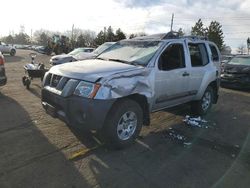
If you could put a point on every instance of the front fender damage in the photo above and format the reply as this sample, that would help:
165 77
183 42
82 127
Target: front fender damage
127 83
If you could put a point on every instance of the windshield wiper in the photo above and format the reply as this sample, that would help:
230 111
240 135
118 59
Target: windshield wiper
101 58
136 63
118 60
122 61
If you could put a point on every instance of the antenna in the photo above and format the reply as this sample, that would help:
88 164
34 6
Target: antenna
172 21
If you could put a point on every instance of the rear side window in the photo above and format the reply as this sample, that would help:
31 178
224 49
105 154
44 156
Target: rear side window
172 58
215 55
198 54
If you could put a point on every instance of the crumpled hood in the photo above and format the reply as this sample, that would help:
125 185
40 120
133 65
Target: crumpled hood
237 69
91 70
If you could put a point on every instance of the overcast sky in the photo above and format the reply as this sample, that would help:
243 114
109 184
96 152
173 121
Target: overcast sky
129 15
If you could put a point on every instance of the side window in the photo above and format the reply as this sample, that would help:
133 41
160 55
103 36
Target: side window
198 54
215 55
172 58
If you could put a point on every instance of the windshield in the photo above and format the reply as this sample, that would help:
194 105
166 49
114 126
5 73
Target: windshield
132 52
101 48
240 61
76 51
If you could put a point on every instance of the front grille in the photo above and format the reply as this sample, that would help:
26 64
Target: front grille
56 81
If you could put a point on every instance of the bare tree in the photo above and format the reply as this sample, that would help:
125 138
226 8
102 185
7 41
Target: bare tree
241 49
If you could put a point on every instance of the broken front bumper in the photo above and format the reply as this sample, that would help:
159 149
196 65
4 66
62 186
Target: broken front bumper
77 111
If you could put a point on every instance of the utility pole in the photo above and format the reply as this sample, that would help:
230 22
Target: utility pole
72 35
172 21
31 32
248 45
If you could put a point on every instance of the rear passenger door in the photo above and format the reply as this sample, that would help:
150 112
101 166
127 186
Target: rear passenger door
171 79
215 57
198 60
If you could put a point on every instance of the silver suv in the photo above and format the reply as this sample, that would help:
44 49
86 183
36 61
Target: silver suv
7 49
117 91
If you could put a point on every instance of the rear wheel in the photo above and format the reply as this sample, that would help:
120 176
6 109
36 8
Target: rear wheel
123 123
202 106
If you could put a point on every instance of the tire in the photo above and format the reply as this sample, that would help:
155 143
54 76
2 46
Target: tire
27 83
13 52
24 80
120 134
202 106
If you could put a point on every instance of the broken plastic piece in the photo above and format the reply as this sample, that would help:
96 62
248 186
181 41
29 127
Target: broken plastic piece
195 122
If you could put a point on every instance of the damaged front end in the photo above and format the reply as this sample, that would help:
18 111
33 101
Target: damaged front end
236 76
85 101
119 85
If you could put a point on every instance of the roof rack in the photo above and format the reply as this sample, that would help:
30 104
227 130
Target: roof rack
170 35
160 36
194 37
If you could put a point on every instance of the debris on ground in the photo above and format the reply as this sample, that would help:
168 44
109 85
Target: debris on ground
178 137
187 144
173 134
196 122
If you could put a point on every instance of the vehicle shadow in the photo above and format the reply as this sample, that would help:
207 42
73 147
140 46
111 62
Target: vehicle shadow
157 160
35 89
235 88
13 59
27 158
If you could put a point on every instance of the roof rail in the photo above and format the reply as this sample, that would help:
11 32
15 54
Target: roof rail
194 37
160 36
170 35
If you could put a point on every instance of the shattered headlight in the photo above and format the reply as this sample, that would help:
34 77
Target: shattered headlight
87 89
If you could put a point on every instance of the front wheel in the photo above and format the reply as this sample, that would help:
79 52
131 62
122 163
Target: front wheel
13 52
202 106
123 123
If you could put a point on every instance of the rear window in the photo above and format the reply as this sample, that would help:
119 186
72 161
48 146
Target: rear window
215 55
198 54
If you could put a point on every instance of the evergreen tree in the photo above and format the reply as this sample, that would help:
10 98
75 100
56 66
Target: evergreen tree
119 35
110 35
80 41
100 38
215 34
132 36
198 29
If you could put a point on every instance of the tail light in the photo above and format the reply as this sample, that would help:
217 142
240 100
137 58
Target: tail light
1 60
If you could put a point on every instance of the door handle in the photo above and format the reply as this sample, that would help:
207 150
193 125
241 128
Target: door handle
185 74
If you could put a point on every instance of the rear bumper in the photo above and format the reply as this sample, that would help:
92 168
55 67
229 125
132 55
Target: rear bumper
77 111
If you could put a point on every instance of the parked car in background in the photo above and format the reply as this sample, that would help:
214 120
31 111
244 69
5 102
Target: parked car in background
116 92
3 78
236 73
7 49
95 53
224 60
70 57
